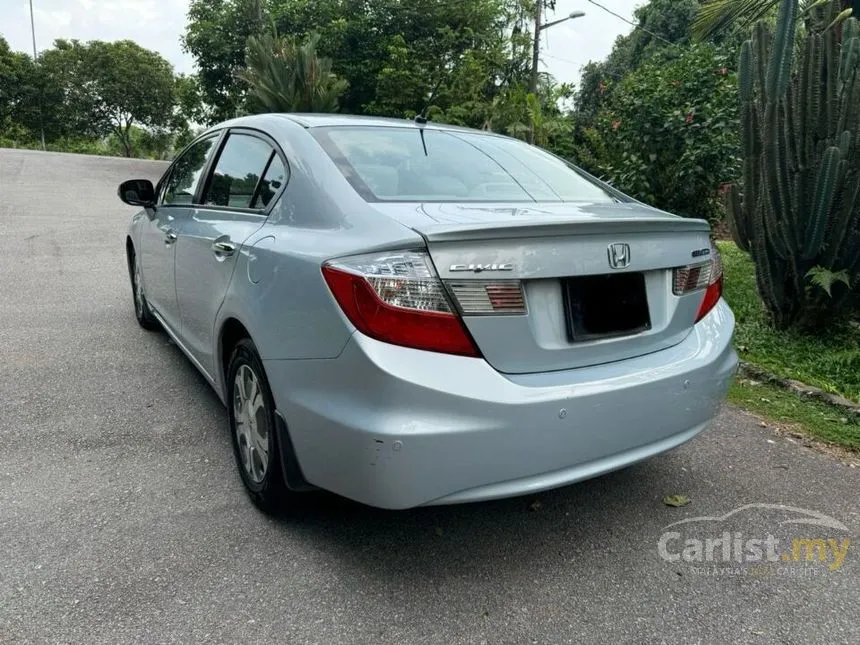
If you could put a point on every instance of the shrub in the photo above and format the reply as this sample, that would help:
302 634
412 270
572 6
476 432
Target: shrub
667 135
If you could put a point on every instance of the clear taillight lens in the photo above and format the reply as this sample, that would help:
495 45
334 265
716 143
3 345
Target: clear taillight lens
691 278
696 277
398 298
405 280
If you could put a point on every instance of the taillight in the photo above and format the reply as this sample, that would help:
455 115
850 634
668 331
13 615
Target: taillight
696 277
398 298
489 297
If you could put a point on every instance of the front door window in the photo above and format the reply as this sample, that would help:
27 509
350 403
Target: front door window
182 184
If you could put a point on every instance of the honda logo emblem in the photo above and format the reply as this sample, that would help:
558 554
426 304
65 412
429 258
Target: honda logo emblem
619 256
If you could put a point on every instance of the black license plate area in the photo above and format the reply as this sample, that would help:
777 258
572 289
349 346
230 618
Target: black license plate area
603 306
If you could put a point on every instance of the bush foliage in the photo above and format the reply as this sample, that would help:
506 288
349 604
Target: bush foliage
667 133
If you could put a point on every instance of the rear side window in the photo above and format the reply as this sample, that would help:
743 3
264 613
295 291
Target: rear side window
185 175
274 177
235 182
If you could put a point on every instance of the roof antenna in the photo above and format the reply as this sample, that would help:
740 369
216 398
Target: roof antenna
421 117
421 132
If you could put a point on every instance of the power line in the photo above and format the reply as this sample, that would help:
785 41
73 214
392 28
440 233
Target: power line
563 60
573 62
631 23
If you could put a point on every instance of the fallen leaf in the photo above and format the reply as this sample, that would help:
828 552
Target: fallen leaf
762 424
676 500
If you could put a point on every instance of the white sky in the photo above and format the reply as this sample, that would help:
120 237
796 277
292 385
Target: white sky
158 24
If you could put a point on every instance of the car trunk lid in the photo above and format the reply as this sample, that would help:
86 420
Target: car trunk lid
596 284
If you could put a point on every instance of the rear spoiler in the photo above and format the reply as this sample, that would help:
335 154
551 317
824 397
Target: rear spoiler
551 228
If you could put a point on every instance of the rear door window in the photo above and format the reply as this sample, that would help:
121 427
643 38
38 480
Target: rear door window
235 181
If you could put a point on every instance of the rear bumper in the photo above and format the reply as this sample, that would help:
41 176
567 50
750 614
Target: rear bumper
396 428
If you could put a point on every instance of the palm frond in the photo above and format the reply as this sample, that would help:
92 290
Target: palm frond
286 75
717 15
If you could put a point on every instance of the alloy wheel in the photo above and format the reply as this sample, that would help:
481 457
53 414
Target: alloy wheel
252 423
138 291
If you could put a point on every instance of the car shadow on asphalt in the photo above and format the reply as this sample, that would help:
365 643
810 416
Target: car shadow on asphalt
576 522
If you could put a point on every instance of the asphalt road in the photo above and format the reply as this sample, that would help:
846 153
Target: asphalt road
122 518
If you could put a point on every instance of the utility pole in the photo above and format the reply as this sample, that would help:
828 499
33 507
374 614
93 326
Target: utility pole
36 62
533 81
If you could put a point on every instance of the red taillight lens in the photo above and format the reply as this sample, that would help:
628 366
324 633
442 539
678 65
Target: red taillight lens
398 298
707 275
712 297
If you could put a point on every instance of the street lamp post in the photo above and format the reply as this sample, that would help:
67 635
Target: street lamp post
536 47
36 62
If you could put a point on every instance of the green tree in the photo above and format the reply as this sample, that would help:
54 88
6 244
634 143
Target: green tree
285 75
29 101
190 106
16 70
216 36
397 56
110 87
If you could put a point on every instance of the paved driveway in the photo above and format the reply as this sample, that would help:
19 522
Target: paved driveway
122 518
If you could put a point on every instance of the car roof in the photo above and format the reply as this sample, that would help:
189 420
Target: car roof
308 120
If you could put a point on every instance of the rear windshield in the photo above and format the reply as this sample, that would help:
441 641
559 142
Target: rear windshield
399 164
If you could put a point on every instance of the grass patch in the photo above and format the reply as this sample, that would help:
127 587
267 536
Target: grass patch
815 418
830 361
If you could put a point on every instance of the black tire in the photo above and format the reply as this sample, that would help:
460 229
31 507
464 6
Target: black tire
142 312
265 487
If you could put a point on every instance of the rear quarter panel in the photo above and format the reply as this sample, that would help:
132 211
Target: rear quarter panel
277 291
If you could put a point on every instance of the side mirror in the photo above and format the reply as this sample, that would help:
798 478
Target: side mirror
137 192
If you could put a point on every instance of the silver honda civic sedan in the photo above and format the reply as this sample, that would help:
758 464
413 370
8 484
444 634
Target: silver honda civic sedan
406 313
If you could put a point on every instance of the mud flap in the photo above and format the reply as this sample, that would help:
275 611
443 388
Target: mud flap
293 477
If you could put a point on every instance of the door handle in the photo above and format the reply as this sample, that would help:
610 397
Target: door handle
169 236
223 249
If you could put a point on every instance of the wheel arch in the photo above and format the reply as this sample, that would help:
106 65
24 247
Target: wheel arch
231 332
130 252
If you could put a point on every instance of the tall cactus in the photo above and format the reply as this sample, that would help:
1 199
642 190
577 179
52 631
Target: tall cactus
799 206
